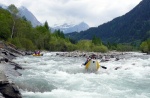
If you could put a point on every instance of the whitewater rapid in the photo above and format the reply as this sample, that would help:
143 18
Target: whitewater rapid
51 76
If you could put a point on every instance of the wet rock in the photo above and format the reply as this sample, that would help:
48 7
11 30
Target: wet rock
29 52
98 55
117 59
17 66
10 91
117 68
104 60
14 51
7 53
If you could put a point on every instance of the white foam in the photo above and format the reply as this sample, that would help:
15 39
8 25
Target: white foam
73 81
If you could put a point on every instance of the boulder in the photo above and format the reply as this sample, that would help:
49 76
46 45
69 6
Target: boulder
7 53
10 91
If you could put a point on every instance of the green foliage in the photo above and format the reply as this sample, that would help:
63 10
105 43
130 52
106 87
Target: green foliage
27 44
61 44
4 33
23 43
22 28
136 44
41 29
24 18
16 42
148 42
111 46
145 46
5 24
46 25
87 45
23 32
71 47
124 47
41 37
72 41
13 9
96 40
101 48
59 33
84 45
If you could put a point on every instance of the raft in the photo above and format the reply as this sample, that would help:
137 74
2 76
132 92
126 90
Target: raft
92 65
37 54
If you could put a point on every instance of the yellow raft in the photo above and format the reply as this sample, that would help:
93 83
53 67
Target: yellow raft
37 54
92 65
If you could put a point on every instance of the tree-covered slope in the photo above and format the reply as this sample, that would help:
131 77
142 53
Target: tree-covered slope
6 21
130 27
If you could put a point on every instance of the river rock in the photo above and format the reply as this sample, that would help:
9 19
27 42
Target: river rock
8 89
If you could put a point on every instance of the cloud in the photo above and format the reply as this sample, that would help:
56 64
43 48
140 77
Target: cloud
93 12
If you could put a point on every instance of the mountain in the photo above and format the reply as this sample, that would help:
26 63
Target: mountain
133 26
67 28
24 12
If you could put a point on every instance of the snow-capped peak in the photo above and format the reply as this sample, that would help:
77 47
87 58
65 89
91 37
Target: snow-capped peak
67 28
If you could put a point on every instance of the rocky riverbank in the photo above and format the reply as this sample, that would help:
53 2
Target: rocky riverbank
101 56
8 89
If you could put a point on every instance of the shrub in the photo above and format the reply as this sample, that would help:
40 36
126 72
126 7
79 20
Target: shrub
145 47
101 48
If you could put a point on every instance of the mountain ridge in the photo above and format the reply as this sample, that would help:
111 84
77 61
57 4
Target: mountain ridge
67 28
23 11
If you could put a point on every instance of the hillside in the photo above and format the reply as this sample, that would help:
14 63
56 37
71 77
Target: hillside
29 16
133 26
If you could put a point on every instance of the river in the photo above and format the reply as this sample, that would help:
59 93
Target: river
51 76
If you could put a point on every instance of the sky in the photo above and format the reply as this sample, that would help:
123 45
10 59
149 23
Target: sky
92 12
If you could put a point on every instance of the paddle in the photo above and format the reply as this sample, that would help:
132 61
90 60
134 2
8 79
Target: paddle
104 67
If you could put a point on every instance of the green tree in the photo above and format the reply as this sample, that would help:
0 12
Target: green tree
101 48
96 40
23 43
84 45
5 24
124 47
41 37
46 25
144 46
22 28
13 9
59 33
24 18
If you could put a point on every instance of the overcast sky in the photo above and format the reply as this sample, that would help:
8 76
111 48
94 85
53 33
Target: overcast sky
93 12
